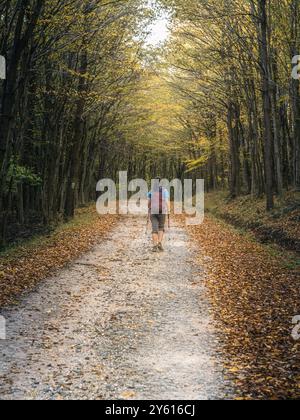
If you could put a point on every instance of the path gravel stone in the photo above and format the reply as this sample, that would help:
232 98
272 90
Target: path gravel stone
119 323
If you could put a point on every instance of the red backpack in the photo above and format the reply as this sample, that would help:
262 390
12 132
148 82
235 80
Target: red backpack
157 204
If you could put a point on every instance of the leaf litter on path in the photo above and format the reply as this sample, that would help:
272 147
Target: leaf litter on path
22 269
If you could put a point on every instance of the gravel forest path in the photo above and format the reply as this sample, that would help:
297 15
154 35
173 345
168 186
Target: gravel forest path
119 323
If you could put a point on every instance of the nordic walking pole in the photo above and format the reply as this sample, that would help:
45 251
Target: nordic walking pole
169 226
148 220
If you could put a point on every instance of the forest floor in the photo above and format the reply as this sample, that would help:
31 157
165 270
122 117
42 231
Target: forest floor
119 323
23 266
280 226
209 318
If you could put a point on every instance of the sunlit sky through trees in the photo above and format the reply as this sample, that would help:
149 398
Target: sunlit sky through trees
159 31
159 28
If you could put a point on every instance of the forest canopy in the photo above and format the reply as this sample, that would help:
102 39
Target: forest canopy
86 96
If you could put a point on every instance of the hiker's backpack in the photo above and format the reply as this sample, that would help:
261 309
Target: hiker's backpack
157 205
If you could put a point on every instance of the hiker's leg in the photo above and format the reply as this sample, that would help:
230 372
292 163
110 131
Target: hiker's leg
161 230
161 227
155 238
161 235
155 228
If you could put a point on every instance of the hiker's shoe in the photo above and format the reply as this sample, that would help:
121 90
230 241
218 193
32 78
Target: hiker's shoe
160 248
155 248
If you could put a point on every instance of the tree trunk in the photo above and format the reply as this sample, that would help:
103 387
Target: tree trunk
235 165
73 183
295 94
266 97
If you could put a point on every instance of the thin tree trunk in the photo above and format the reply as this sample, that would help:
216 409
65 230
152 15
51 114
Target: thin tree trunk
266 96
